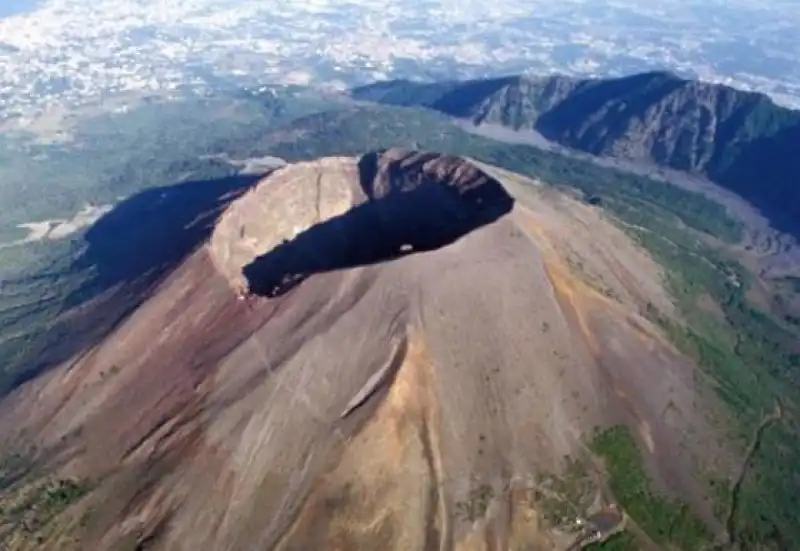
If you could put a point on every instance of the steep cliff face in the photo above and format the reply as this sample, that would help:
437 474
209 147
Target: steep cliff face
515 102
455 333
688 125
740 139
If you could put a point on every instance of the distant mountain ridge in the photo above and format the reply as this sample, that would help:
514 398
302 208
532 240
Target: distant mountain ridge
741 140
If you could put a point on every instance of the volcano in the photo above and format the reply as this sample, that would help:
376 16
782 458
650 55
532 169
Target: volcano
398 351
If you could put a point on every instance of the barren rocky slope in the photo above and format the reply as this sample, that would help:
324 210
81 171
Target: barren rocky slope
391 352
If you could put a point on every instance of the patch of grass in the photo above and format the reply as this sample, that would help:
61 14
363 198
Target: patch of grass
476 504
623 541
34 508
749 366
666 521
51 497
63 493
563 498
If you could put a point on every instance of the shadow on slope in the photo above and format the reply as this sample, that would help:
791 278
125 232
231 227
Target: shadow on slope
764 172
416 216
153 230
126 252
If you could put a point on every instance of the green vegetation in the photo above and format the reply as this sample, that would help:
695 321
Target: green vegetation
622 541
666 521
476 503
747 359
111 155
30 510
51 498
564 498
118 154
760 160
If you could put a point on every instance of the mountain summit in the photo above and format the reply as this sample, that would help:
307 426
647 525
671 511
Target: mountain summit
399 351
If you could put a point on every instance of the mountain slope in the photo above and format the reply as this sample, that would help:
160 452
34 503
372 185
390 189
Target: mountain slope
173 148
443 334
741 140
